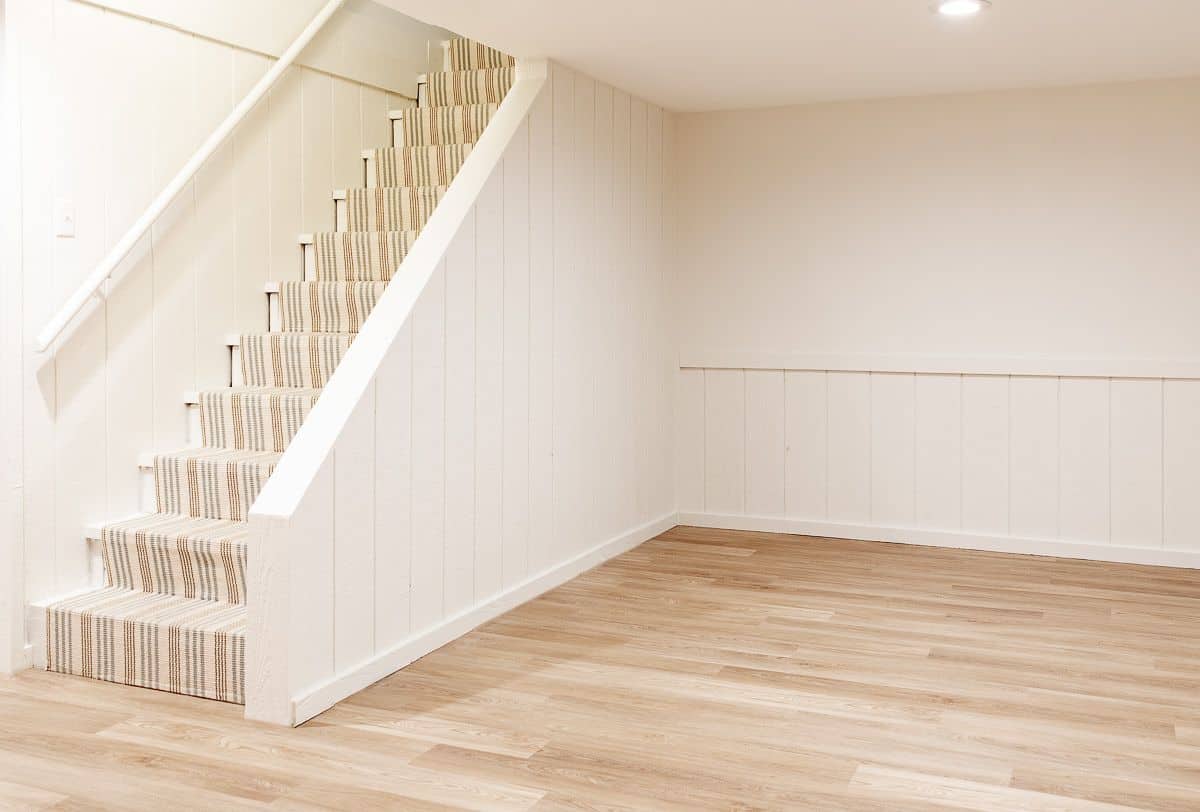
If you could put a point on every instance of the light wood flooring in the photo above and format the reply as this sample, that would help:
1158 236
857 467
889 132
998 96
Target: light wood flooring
704 670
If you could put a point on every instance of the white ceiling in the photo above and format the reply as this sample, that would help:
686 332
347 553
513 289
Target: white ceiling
706 55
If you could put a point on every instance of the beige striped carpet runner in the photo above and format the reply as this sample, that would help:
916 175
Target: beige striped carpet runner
172 612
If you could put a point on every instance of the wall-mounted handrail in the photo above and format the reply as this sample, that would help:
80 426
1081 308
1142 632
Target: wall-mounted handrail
96 279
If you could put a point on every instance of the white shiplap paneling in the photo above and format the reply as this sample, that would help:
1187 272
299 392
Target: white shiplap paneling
1089 466
112 106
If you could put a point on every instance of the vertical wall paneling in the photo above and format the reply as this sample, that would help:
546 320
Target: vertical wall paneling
985 453
316 158
1033 498
893 430
689 430
1137 463
216 248
849 444
607 366
1181 464
252 199
393 487
724 441
286 126
766 432
312 585
429 452
807 402
129 393
624 343
639 310
347 136
658 372
376 127
1083 459
515 444
938 452
541 331
41 297
354 524
79 453
489 387
588 318
460 407
566 327
174 238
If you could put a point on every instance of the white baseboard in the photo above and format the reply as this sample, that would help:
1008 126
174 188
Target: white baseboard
945 538
356 678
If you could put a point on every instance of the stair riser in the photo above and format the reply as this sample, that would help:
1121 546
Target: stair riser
469 87
388 209
283 360
462 54
327 307
208 664
414 166
251 421
190 568
440 125
357 256
207 488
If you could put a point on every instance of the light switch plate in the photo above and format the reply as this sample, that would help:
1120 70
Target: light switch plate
64 218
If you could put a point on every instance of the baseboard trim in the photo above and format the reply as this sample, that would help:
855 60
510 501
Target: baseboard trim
1189 559
353 680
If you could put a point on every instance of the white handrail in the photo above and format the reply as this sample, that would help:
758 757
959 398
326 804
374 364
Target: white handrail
109 264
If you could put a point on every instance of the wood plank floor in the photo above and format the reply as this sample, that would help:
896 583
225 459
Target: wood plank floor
704 670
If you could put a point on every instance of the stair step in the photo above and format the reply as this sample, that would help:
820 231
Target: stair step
461 124
424 165
303 360
177 555
214 483
327 307
151 640
359 256
483 86
253 418
467 54
390 208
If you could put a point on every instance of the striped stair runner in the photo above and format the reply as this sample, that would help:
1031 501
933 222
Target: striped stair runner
171 614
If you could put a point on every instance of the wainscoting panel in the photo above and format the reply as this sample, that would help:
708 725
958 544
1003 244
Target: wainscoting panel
1090 466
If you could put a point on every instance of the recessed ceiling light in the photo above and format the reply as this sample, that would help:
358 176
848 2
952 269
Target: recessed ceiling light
961 8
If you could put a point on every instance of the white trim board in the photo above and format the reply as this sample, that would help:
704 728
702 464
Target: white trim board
356 678
1036 366
1152 556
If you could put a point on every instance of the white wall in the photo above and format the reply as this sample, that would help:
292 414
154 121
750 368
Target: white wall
959 320
364 42
1052 222
111 107
12 635
515 429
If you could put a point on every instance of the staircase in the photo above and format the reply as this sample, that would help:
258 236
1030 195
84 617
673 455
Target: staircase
172 612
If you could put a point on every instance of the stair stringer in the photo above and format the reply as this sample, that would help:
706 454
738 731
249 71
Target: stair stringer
292 671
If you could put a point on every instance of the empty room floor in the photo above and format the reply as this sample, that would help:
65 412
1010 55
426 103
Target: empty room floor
704 669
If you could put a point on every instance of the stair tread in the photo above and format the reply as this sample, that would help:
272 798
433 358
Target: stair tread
159 609
177 554
176 525
223 455
150 640
263 391
404 112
